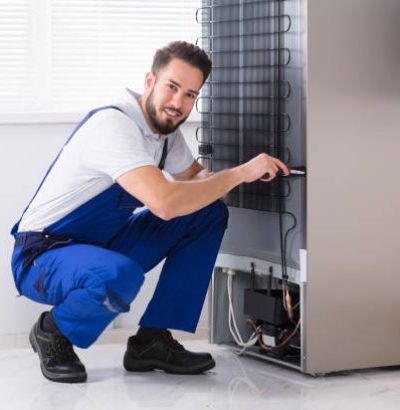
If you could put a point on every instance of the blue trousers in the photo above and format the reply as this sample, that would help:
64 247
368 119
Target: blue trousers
89 285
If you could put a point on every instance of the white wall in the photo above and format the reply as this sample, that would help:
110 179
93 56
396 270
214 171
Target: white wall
26 151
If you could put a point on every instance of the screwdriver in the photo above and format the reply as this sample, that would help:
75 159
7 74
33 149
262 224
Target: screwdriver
299 171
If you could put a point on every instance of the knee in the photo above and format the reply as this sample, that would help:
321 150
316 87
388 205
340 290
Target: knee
127 275
117 284
219 212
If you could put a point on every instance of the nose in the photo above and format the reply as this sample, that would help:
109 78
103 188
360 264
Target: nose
177 100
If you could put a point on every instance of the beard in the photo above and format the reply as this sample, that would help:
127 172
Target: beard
161 127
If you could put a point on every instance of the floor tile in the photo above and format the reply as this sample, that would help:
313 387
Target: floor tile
237 383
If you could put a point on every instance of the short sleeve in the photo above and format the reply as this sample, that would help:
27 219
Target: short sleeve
114 146
179 157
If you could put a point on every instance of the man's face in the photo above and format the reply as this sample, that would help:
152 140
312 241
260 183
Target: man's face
170 95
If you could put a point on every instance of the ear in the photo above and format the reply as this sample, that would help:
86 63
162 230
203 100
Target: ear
149 80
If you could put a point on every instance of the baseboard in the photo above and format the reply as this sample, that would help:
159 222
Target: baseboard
110 336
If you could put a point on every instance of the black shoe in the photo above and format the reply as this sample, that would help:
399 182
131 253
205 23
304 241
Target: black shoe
58 360
165 353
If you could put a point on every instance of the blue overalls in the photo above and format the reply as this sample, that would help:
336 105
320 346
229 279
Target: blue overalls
91 263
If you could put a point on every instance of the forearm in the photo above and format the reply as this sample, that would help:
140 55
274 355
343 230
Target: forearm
184 197
169 199
201 175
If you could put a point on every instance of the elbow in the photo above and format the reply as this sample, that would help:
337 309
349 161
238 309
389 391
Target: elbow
165 215
164 206
163 212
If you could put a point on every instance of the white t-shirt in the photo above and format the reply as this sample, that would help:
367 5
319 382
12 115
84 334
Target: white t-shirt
109 144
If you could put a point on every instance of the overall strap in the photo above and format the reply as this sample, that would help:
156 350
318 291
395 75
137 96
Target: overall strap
85 119
163 155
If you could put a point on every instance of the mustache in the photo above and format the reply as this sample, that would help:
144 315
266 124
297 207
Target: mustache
173 109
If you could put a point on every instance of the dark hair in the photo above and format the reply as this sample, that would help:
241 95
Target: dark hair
187 52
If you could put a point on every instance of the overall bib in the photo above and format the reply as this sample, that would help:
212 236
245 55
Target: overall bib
91 263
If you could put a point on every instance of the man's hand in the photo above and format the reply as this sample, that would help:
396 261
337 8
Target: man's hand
260 165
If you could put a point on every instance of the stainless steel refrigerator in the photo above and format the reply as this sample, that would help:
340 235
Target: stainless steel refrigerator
315 83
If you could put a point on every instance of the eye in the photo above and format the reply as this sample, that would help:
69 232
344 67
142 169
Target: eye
172 87
191 96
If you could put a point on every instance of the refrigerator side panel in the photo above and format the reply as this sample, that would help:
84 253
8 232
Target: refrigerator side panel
353 196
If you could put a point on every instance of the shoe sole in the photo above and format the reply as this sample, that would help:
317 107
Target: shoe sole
55 377
148 366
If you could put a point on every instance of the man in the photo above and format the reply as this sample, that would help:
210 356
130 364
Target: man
80 247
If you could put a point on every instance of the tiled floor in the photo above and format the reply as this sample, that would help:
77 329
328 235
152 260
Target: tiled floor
236 383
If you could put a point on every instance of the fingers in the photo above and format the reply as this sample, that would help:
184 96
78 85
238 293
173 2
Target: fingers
281 165
268 176
266 179
263 167
274 167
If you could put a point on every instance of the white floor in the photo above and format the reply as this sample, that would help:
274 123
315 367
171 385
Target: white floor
236 383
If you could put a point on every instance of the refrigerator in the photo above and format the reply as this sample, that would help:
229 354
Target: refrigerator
308 270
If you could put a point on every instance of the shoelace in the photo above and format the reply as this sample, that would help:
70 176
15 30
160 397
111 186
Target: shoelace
61 348
172 342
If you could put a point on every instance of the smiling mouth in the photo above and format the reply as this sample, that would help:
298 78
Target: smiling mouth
172 113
